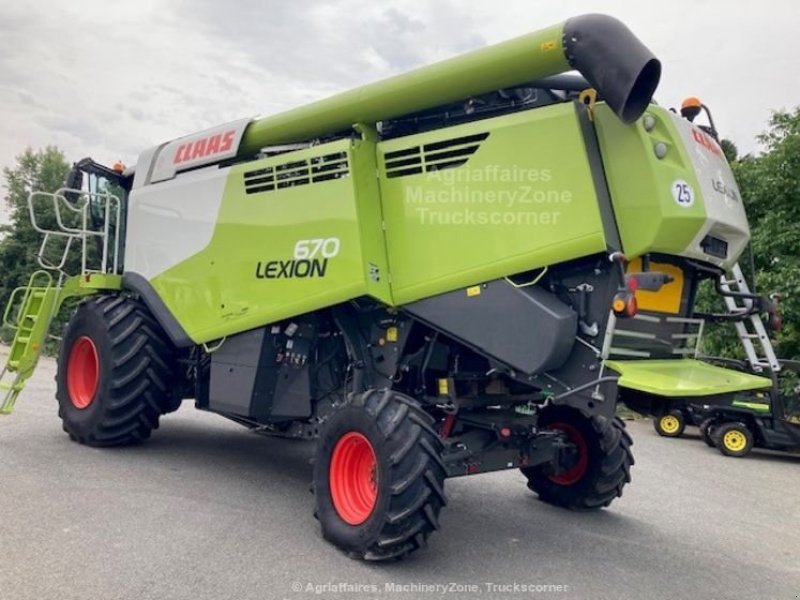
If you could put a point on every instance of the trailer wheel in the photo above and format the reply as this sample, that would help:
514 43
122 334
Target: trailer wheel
600 470
670 424
114 373
707 431
733 439
379 476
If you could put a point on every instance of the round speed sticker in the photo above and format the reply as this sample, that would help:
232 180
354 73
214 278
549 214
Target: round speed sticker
683 193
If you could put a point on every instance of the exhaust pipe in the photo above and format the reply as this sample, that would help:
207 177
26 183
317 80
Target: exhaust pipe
622 70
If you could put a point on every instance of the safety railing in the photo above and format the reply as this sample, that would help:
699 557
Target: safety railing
67 217
652 336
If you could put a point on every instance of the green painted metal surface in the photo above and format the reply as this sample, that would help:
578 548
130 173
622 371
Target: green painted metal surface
648 217
256 268
757 407
687 378
526 58
524 199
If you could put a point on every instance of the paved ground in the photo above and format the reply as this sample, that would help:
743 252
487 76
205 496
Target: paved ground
209 510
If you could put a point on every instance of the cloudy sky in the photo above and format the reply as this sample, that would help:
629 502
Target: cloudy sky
107 79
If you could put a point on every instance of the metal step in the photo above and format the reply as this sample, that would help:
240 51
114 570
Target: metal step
34 307
764 357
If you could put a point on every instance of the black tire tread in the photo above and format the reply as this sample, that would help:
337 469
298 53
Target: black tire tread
613 474
707 431
723 428
141 369
675 413
416 476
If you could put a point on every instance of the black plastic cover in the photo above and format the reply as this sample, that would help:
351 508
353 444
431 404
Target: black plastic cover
526 328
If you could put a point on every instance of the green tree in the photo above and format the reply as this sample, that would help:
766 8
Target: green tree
729 149
770 187
41 170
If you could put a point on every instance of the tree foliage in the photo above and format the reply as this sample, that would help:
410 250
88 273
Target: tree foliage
42 170
770 187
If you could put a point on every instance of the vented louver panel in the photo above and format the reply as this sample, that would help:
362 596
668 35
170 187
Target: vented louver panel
298 172
403 162
445 154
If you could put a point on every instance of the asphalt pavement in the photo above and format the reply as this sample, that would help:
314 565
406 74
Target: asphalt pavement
208 510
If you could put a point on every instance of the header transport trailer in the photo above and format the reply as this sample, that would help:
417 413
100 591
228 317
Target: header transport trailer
426 275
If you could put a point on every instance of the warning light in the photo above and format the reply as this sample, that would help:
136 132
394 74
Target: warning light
690 108
118 167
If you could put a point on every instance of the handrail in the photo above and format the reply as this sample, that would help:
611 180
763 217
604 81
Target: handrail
81 208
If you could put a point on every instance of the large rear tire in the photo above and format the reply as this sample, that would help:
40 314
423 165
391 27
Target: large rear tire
115 373
379 476
600 470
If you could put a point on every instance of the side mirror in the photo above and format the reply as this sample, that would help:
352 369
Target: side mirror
74 182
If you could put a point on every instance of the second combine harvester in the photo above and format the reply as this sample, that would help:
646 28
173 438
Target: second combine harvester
427 275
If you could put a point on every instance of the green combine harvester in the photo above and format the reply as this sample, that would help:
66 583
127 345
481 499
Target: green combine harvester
454 271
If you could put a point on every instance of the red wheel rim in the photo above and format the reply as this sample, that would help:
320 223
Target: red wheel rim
574 473
83 372
354 478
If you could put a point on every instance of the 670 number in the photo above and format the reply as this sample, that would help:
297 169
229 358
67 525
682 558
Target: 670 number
322 247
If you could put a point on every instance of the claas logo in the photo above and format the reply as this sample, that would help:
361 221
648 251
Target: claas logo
706 142
215 144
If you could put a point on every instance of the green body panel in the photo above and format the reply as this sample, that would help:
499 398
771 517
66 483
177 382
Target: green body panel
640 184
687 378
757 407
526 58
218 291
92 281
523 200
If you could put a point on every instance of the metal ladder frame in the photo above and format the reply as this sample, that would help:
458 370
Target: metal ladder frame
29 338
750 329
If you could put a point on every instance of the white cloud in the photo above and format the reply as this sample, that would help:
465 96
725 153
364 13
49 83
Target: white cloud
109 79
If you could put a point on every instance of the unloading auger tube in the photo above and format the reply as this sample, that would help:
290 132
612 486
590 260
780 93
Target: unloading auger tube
612 59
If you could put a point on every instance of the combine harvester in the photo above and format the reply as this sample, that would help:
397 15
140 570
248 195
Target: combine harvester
426 275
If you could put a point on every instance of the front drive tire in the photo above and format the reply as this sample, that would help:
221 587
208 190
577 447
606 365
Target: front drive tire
601 468
379 476
115 372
